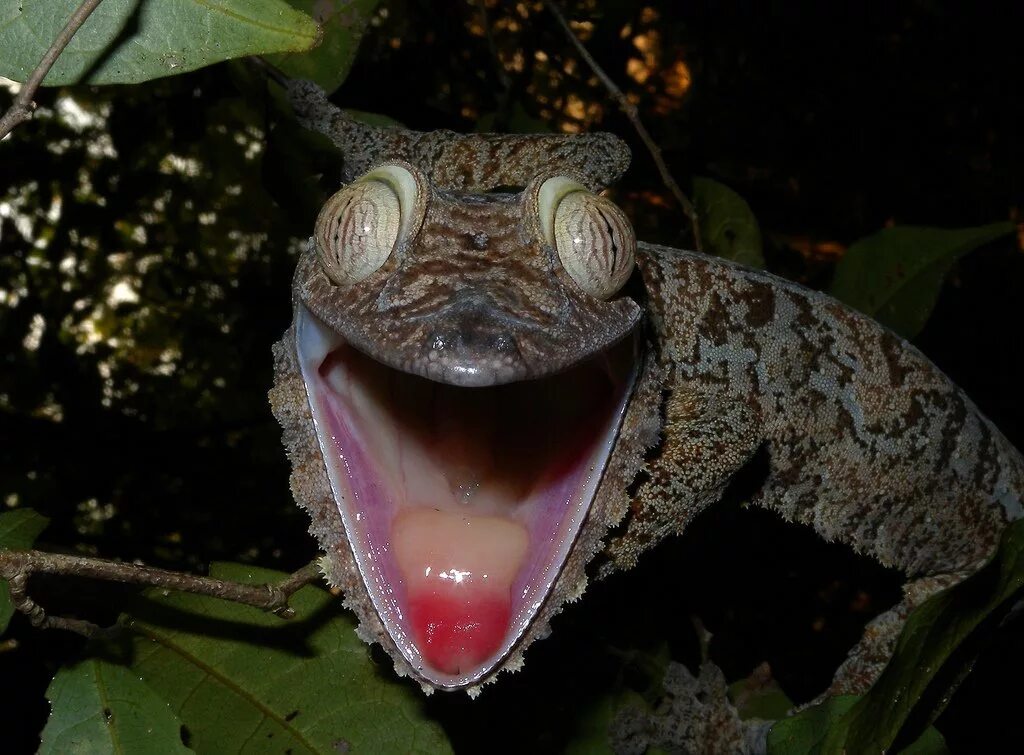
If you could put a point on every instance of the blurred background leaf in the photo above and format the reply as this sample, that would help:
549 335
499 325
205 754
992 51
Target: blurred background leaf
896 274
728 228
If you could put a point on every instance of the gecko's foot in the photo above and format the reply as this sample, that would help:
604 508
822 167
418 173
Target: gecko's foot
695 716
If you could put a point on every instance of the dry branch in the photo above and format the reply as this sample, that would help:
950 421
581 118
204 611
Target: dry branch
18 566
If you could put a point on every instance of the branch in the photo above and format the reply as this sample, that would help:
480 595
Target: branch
634 117
18 566
22 108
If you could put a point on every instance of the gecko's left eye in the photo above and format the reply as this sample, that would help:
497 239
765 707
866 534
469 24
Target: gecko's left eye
592 236
360 226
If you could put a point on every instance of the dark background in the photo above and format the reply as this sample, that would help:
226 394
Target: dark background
138 421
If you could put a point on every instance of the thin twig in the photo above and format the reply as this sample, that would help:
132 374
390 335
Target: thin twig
634 116
269 69
23 107
504 99
18 566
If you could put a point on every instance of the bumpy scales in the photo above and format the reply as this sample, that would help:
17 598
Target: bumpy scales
678 380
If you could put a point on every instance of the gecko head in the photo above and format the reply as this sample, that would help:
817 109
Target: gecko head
468 359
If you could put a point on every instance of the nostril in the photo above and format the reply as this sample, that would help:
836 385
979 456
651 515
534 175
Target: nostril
504 344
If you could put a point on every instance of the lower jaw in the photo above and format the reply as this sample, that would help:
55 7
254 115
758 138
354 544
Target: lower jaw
460 504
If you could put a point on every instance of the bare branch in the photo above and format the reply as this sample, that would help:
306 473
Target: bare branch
22 108
631 112
18 566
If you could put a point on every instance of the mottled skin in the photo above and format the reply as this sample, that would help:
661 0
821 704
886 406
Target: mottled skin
473 300
867 442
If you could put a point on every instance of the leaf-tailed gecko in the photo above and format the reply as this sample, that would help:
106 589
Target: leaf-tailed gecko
491 392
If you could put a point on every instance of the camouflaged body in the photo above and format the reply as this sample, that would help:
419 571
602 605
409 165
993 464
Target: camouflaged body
866 441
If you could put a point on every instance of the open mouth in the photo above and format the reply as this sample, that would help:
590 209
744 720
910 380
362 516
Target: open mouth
460 504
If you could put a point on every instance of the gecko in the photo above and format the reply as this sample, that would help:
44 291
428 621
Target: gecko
491 394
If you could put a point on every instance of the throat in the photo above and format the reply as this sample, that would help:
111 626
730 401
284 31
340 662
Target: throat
460 504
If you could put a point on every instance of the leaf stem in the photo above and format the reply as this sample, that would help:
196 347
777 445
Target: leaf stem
23 107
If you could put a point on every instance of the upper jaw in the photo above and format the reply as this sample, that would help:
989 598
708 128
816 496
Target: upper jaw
386 524
498 336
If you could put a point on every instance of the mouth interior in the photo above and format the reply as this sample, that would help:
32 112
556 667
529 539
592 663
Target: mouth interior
460 504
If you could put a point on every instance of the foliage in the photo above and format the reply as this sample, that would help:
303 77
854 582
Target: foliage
935 650
803 734
896 274
157 283
233 678
128 41
728 228
342 23
235 675
101 707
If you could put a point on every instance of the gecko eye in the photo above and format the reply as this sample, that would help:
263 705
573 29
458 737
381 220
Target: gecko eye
592 236
360 226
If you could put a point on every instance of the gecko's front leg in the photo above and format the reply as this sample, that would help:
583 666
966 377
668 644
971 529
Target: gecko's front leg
707 438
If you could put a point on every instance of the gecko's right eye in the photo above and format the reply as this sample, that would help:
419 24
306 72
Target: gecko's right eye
359 227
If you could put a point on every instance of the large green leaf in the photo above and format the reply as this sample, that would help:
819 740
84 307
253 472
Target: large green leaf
128 41
896 274
728 227
18 531
99 707
243 680
933 653
343 23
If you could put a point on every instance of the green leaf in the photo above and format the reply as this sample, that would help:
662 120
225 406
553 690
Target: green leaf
343 23
925 667
728 228
896 274
99 707
759 696
933 654
18 531
806 732
241 679
930 743
128 41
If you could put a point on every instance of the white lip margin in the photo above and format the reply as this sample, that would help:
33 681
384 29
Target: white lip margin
313 342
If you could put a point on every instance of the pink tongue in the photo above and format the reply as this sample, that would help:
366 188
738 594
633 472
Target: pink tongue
458 569
457 632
